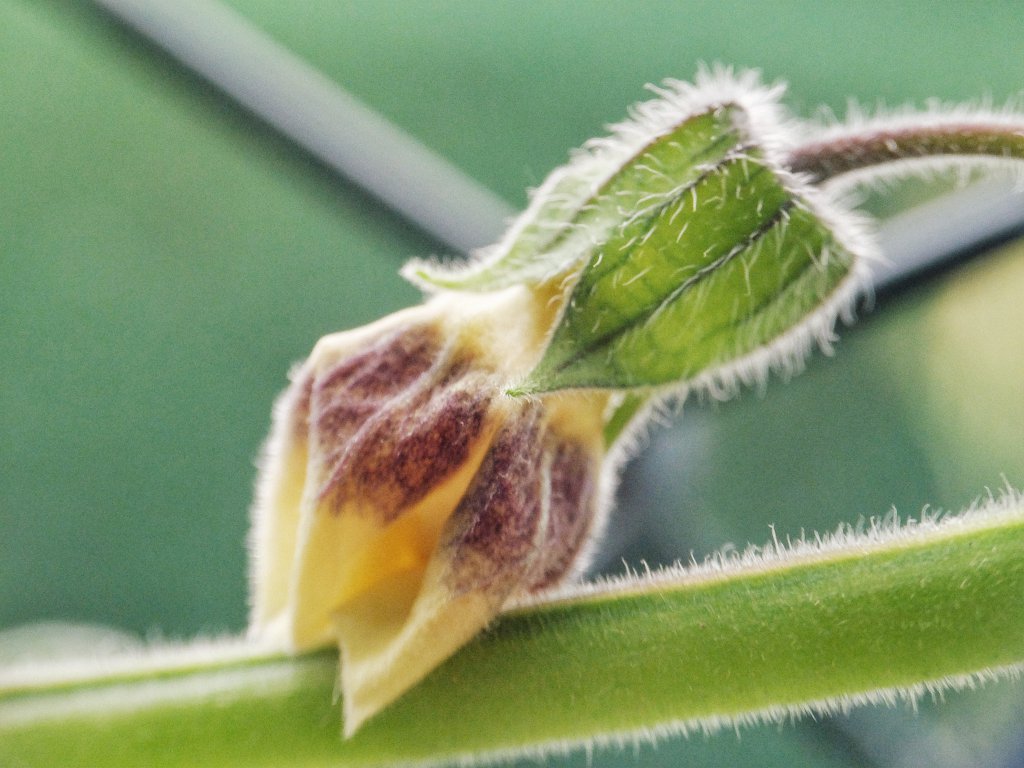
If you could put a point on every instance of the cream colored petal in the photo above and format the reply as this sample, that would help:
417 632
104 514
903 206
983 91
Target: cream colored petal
396 433
486 549
276 513
284 477
405 500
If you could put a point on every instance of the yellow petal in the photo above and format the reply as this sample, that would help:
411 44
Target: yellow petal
520 526
405 499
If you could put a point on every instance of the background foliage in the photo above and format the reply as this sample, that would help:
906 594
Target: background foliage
164 258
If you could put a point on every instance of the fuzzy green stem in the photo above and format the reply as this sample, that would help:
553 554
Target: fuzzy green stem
859 149
878 617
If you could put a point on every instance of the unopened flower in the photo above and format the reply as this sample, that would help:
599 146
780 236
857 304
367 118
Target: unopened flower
408 497
427 469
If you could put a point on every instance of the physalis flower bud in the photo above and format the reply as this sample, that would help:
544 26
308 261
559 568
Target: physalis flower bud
425 470
406 498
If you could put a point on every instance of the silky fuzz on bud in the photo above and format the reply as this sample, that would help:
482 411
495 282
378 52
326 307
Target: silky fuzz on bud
406 498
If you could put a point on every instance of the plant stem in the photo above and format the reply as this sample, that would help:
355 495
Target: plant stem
862 147
877 617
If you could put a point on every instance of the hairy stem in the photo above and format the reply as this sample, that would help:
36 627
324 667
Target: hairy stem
859 148
876 616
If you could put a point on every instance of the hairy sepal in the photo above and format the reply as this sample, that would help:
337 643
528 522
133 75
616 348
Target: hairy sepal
666 143
734 274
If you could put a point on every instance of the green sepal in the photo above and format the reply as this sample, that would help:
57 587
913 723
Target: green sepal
623 413
724 268
583 203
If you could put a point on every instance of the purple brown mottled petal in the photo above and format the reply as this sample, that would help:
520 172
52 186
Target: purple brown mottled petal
393 420
572 495
350 393
493 535
409 499
403 452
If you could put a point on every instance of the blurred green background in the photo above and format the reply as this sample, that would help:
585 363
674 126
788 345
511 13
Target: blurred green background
164 258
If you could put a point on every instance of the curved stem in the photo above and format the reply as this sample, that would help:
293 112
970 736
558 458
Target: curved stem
881 615
861 147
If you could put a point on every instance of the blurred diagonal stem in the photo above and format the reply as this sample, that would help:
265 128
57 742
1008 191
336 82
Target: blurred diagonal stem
321 117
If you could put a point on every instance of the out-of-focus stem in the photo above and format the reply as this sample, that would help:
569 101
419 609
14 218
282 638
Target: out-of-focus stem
320 116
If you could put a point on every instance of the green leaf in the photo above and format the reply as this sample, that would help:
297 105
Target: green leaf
865 617
584 202
724 267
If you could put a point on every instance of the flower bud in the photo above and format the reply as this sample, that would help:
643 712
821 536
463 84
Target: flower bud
406 498
425 470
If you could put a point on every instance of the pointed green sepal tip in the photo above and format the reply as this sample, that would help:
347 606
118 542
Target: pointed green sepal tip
734 272
584 203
